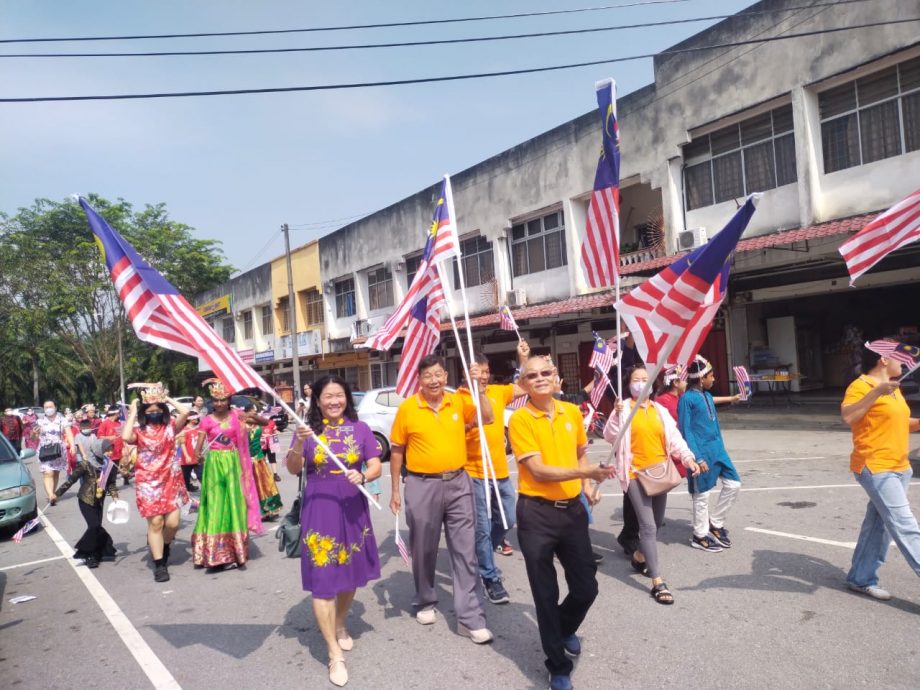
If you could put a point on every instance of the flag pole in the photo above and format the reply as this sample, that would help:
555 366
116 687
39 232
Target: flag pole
449 200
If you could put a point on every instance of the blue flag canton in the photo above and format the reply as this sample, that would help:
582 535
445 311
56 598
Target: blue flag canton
713 260
608 166
440 218
114 249
911 351
600 345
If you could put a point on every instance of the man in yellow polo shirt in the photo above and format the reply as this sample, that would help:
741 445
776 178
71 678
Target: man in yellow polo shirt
549 442
429 432
490 532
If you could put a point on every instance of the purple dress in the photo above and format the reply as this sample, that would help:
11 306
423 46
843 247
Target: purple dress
339 551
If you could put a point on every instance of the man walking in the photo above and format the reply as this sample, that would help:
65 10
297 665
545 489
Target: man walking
429 432
548 440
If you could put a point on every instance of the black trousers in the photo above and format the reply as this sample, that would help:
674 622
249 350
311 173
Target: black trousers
543 532
187 474
629 535
95 541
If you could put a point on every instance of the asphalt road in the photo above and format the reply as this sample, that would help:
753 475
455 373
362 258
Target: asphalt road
770 612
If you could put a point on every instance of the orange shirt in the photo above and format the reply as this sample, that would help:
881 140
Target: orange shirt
556 439
500 396
880 438
646 434
435 441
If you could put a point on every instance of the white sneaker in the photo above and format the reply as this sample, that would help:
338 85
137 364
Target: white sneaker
872 591
426 616
480 636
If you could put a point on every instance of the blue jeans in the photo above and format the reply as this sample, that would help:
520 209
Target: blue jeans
489 530
888 516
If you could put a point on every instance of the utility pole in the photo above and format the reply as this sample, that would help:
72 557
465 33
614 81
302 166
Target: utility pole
292 314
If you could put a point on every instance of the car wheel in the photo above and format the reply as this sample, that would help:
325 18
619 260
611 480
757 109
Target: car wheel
385 445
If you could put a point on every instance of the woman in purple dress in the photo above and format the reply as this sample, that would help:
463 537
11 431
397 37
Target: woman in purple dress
339 551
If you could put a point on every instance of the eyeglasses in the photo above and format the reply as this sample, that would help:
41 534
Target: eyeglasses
433 375
534 375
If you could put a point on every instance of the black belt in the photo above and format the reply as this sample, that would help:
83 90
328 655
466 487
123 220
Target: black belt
445 476
561 505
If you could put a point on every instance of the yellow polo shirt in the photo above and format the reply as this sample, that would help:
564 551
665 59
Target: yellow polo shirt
500 396
646 433
555 439
435 441
881 437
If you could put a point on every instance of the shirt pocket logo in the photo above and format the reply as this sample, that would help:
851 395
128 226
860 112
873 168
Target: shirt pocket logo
568 426
455 416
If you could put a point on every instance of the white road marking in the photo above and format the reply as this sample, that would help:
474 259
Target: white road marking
25 565
803 457
801 537
149 662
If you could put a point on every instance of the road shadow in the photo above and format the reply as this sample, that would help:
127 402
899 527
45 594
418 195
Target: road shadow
300 624
237 640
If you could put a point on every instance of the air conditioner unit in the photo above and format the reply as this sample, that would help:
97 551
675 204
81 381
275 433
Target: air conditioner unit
399 265
516 298
691 239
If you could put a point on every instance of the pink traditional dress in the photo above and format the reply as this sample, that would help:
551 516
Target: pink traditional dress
158 475
229 507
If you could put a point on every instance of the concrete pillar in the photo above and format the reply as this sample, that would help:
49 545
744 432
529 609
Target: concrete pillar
808 154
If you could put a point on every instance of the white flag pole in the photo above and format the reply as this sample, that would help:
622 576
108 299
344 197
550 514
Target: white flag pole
487 458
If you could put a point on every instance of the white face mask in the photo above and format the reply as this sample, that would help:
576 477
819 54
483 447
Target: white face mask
635 389
49 411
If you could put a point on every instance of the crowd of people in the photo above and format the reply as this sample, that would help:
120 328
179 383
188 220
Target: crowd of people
449 474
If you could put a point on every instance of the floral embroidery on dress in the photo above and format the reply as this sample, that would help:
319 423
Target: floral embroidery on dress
326 550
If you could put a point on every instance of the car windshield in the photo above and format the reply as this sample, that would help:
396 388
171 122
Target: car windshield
7 452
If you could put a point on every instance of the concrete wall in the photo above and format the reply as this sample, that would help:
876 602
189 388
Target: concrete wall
306 275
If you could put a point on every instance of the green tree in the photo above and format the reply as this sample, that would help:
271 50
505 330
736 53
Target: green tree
62 312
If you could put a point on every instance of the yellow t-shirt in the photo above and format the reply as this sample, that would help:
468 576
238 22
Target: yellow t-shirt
500 396
880 438
646 433
435 441
555 439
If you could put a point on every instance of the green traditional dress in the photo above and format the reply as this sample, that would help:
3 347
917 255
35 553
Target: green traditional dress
269 498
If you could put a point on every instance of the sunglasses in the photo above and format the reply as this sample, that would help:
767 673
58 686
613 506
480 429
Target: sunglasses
534 375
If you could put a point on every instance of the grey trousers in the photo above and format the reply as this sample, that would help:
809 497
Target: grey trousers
430 503
650 511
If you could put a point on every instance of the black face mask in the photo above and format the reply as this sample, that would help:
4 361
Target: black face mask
155 418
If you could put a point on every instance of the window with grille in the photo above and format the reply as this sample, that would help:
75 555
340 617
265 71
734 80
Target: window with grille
313 307
538 244
247 324
871 118
228 330
753 155
379 288
567 365
345 298
267 326
478 262
412 264
284 314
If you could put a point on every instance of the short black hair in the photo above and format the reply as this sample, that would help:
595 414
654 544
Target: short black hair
480 358
431 360
868 360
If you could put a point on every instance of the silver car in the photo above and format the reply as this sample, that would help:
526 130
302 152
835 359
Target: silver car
377 408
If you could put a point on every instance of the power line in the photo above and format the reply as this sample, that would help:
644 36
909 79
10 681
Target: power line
432 42
455 77
426 22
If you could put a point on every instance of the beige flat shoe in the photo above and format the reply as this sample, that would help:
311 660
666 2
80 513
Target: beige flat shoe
338 674
346 643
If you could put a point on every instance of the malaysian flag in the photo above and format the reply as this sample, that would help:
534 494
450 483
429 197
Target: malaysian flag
744 382
601 381
600 252
519 401
908 355
602 355
679 303
25 529
160 315
896 227
441 244
508 323
401 545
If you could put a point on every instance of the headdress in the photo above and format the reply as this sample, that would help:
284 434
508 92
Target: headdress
216 389
698 368
673 373
151 392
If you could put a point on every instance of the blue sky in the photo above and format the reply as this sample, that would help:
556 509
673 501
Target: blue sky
235 168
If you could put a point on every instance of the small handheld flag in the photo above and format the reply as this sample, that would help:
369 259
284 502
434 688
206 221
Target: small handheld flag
744 382
401 545
602 355
507 320
908 355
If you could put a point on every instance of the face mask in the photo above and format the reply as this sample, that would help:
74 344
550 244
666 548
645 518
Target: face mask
155 418
635 389
49 411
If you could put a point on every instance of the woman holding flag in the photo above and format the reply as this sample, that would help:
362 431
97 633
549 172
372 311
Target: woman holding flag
339 551
97 478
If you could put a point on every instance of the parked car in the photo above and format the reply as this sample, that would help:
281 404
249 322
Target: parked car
37 411
17 488
377 408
